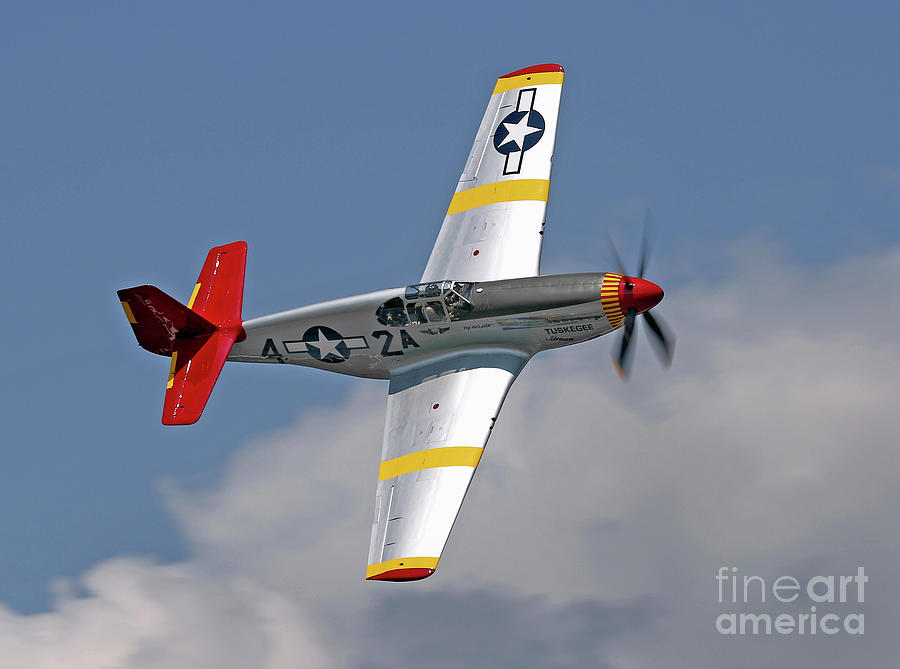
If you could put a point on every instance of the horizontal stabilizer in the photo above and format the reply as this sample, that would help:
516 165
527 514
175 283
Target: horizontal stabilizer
219 292
192 375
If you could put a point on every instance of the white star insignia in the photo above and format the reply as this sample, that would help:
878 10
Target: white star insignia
326 345
518 132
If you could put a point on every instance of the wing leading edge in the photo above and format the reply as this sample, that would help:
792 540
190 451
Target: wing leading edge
439 417
493 227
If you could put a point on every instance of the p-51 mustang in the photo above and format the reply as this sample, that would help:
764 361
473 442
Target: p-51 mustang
450 345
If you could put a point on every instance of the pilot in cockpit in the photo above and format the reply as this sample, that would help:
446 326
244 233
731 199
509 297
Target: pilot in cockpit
453 301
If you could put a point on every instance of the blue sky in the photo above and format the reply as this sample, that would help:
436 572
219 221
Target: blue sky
135 137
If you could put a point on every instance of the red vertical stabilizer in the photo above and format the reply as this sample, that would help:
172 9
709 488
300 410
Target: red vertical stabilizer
198 336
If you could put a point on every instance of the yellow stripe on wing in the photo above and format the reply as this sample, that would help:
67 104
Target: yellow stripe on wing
501 191
451 456
523 80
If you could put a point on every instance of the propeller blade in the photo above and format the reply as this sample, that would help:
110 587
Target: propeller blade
660 334
646 243
663 340
622 362
620 266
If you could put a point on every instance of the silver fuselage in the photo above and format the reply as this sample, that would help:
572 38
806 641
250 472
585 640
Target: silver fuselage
526 315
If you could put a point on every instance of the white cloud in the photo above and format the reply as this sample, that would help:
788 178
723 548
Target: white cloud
148 616
770 445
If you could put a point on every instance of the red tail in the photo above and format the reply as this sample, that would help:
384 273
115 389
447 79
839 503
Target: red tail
198 336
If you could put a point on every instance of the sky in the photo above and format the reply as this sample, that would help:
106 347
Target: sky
135 137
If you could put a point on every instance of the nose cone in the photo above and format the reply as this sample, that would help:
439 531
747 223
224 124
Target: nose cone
638 294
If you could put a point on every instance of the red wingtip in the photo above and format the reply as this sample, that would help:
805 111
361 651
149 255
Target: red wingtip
546 67
402 575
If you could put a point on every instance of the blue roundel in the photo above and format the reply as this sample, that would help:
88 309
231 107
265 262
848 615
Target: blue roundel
325 344
525 127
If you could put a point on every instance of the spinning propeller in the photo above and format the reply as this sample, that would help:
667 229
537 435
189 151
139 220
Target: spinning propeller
637 296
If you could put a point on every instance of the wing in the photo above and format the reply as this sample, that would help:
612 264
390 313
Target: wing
494 225
439 418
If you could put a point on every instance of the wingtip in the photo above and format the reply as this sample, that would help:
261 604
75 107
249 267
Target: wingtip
400 575
545 67
402 569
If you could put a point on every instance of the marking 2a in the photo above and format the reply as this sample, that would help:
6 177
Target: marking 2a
406 341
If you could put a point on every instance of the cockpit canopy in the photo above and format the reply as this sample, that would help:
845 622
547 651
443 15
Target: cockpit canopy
435 302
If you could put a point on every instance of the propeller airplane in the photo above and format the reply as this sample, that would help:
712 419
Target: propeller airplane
450 345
